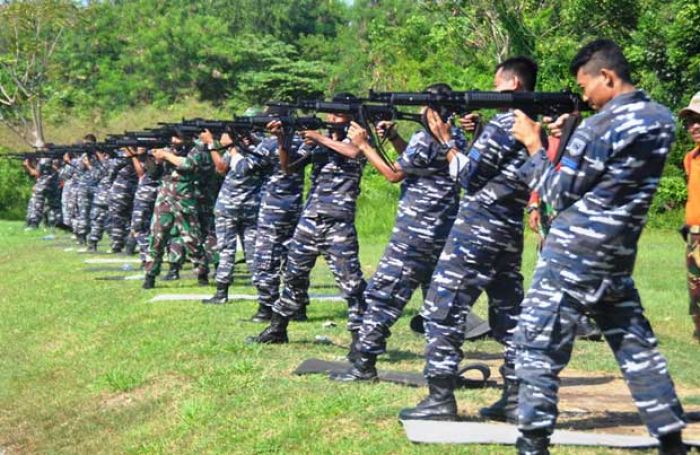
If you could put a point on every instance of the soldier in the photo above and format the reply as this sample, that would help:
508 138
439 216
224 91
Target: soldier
691 230
121 200
482 254
102 168
67 175
601 194
326 226
176 206
280 208
236 209
144 198
427 209
46 199
87 186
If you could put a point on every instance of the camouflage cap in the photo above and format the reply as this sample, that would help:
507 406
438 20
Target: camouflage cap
693 107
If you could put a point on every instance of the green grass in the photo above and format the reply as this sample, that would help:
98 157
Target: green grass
91 367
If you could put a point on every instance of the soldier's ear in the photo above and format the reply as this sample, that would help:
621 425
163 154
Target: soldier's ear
609 76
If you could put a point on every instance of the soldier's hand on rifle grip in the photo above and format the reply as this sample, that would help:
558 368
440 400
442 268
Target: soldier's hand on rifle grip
554 127
206 137
310 136
66 158
358 135
527 132
275 128
159 154
226 140
440 129
468 122
387 130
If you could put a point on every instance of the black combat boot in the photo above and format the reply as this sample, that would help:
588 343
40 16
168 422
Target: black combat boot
203 279
506 408
275 333
221 295
264 314
439 405
149 282
672 444
363 369
130 248
353 353
115 250
300 316
92 247
81 240
173 273
533 442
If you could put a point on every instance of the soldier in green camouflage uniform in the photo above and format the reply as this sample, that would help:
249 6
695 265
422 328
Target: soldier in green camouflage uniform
176 206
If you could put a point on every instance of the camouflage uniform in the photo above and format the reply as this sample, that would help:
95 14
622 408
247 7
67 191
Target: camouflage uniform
121 201
99 215
483 251
208 184
78 173
89 178
327 227
67 175
46 198
601 193
427 210
144 203
236 213
176 206
280 208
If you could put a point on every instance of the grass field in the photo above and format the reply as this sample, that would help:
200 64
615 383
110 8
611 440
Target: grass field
91 367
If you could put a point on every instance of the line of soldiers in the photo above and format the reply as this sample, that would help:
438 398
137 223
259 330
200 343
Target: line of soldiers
455 248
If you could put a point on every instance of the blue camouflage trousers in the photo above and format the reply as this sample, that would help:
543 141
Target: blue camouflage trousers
404 267
99 219
144 204
67 202
337 241
86 194
481 255
228 230
271 245
120 211
45 204
544 339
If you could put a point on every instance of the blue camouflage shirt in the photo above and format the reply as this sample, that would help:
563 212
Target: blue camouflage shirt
489 174
429 195
239 195
335 183
602 192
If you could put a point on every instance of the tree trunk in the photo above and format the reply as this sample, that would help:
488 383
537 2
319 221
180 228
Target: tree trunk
37 123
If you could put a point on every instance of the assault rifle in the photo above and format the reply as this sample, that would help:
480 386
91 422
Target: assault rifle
551 104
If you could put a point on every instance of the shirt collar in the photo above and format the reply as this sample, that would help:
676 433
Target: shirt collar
626 98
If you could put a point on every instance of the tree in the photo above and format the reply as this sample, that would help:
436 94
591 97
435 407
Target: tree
30 31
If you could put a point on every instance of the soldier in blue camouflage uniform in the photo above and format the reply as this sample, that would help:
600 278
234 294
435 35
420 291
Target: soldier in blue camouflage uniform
144 199
176 207
46 199
102 168
236 208
427 210
601 194
87 185
482 254
121 201
68 176
327 227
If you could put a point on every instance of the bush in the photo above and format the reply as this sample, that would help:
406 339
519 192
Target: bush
15 189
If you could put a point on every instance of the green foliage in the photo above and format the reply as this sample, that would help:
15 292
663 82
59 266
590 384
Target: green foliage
15 189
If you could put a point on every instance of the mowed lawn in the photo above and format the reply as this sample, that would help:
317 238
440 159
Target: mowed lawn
90 366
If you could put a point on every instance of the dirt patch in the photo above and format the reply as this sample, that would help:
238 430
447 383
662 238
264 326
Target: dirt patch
151 391
598 401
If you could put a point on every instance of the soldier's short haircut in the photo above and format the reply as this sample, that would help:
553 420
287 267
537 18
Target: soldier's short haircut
277 110
90 137
524 68
599 54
